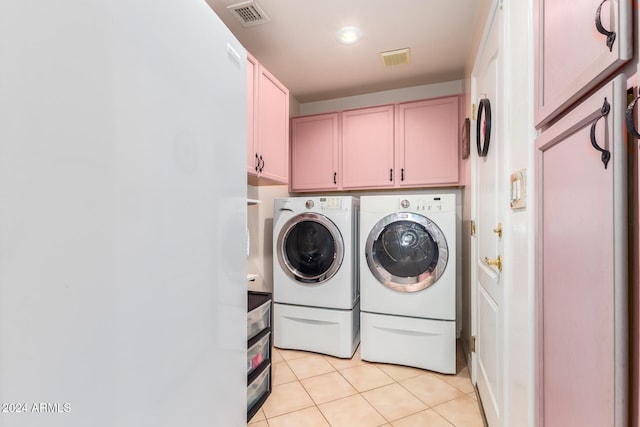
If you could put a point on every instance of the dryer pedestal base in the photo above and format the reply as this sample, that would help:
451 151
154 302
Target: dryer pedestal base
321 330
421 343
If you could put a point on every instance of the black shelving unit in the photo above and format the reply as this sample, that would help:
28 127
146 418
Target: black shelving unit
259 320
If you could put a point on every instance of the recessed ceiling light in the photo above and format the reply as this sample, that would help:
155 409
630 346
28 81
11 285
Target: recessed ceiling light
348 35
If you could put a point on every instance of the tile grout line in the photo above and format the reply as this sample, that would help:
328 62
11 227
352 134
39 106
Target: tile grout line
339 371
307 391
301 385
315 404
433 408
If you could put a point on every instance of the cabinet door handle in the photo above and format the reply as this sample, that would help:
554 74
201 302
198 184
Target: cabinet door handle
257 163
611 35
630 119
606 154
402 174
261 163
391 175
334 178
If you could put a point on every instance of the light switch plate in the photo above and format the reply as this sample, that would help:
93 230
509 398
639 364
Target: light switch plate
519 189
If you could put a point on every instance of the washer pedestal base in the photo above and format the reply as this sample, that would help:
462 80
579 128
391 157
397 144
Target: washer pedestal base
321 330
421 343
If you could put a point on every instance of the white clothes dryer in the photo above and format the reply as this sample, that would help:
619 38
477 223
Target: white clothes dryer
408 280
316 274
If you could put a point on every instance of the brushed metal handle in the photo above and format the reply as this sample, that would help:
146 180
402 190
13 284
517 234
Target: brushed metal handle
494 262
498 230
606 154
611 35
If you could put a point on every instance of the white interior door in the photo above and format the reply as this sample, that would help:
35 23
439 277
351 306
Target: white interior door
488 204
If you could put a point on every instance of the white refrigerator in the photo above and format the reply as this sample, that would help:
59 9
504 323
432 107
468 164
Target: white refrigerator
122 215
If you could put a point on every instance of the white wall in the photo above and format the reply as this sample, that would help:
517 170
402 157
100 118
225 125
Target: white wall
260 223
381 98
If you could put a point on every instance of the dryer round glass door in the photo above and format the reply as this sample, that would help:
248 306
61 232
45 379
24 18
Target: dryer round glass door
406 252
310 248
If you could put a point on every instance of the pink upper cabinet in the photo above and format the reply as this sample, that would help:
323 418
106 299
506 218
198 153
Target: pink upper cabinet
408 145
314 153
367 148
426 142
273 127
575 49
268 145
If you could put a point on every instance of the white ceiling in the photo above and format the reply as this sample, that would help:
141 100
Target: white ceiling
299 47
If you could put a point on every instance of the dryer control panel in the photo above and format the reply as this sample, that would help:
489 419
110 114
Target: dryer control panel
429 206
330 203
436 203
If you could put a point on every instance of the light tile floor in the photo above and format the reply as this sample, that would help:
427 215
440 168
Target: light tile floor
313 390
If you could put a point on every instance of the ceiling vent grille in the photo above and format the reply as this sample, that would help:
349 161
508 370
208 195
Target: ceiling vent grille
395 57
249 13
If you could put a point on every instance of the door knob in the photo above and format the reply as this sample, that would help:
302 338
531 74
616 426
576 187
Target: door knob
498 230
496 262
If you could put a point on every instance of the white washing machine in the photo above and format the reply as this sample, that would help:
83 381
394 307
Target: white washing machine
316 274
408 280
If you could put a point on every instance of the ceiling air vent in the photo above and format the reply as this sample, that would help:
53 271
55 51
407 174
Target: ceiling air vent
249 13
395 57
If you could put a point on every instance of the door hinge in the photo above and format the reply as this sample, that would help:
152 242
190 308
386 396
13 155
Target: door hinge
473 228
473 344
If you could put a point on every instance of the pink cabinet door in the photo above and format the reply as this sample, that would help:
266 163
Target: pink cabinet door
252 75
272 128
367 148
581 276
427 142
571 51
314 153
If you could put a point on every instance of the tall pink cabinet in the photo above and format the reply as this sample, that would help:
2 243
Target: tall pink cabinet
582 365
268 126
406 145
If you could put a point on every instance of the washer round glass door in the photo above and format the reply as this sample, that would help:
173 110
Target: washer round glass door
406 252
310 248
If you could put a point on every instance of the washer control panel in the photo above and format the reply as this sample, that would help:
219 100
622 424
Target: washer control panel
331 203
433 204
